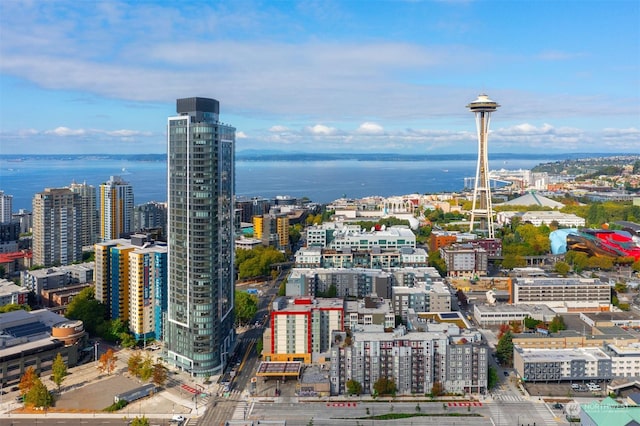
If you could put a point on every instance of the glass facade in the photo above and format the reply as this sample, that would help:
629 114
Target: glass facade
201 186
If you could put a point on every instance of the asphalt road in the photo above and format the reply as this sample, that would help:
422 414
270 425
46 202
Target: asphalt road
221 409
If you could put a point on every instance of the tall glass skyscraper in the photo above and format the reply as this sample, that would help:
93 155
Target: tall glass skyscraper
201 187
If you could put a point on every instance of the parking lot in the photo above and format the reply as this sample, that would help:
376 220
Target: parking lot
563 389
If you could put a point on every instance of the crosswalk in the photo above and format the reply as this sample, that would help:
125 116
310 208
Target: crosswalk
502 415
547 417
243 409
507 397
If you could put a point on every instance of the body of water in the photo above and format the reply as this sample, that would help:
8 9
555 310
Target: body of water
321 181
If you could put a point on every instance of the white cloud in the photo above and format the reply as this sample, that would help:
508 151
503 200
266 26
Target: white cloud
28 132
241 135
65 131
278 128
124 133
320 129
368 128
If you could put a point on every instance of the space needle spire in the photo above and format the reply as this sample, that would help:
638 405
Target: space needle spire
481 206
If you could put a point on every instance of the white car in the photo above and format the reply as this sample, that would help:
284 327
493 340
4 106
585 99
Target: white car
177 419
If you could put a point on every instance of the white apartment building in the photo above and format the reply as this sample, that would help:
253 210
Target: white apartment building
489 315
302 328
625 360
415 360
369 311
563 293
535 365
11 293
465 260
433 297
337 235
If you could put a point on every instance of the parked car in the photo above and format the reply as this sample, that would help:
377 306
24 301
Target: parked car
506 373
575 386
558 406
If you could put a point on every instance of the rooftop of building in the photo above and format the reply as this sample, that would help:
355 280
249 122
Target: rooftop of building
376 333
533 199
314 374
534 309
306 304
632 349
562 355
557 281
368 306
393 231
13 256
9 287
612 316
422 287
138 242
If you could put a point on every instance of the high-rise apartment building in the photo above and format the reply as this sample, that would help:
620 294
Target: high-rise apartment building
201 186
151 215
130 277
272 229
87 195
116 208
57 227
6 204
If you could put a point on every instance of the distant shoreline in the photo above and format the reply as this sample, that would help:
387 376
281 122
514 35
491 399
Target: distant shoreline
302 156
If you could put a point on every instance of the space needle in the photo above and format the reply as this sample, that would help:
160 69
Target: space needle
481 207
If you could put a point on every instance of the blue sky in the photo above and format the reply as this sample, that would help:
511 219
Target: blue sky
322 76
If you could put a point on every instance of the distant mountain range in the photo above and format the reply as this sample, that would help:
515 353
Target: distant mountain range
270 155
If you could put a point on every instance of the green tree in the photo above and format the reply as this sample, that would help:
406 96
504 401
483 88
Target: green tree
562 268
282 289
492 377
531 323
604 263
332 291
85 307
295 233
140 421
59 370
246 306
385 386
511 261
504 349
354 387
557 324
257 262
146 369
134 363
13 307
38 395
636 266
127 340
438 262
579 260
259 346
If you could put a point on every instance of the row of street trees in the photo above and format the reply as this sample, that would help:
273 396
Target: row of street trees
382 386
34 392
144 368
